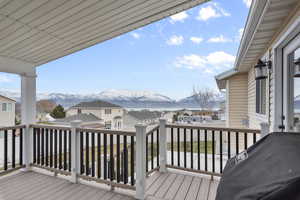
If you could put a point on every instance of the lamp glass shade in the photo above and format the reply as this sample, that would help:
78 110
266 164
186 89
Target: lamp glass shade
297 68
261 71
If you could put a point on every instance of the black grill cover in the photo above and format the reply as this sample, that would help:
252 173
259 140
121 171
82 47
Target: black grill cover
271 171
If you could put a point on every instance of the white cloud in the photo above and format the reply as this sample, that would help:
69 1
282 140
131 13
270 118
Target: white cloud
213 10
136 35
208 64
175 40
219 39
248 3
196 40
4 79
179 17
220 58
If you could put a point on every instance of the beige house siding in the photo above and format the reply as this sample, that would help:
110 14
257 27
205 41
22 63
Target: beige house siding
255 119
237 100
7 118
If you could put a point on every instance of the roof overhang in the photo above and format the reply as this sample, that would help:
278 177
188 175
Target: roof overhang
266 19
221 78
38 32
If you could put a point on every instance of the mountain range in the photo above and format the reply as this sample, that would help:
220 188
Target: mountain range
124 98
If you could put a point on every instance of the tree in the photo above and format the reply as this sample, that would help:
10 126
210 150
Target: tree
58 112
204 98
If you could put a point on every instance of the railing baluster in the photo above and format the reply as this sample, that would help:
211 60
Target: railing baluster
93 154
198 148
81 154
99 155
221 152
246 140
34 146
111 159
105 155
70 151
254 138
5 150
55 148
184 146
157 148
178 147
172 146
125 160
118 158
147 154
51 148
38 146
205 146
47 147
65 149
60 149
42 146
228 144
152 152
213 151
132 161
237 142
87 154
192 157
13 160
21 146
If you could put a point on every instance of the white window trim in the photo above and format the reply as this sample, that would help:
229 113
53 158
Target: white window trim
291 32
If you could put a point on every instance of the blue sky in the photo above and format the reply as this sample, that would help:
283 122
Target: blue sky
170 56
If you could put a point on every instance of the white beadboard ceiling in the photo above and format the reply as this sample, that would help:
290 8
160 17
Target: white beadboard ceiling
39 31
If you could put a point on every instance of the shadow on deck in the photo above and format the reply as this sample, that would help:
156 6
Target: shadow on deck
160 186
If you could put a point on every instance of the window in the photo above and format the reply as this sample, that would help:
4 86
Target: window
261 96
6 107
108 125
107 111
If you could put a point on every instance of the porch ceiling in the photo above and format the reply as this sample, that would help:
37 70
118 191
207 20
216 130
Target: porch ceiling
266 19
39 31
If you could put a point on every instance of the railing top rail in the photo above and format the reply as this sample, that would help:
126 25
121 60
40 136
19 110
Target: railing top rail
106 131
243 130
152 129
12 127
50 127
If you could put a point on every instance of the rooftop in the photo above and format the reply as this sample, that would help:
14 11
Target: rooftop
145 114
82 117
96 104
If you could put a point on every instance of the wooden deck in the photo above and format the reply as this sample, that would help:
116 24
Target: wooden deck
36 186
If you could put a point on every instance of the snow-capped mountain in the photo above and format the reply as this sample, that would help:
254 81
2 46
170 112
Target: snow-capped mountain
133 95
125 98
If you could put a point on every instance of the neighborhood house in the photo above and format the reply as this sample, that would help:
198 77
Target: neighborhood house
7 111
110 114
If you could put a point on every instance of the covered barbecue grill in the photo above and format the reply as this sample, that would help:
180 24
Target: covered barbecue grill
268 170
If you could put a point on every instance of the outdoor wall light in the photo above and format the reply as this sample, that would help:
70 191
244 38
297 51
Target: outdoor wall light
261 69
297 68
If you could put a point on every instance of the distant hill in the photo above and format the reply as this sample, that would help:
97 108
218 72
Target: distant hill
124 98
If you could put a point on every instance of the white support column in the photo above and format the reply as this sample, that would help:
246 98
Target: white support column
265 129
28 112
162 145
75 151
140 161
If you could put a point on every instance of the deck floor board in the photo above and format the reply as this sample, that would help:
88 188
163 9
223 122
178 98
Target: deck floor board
160 186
